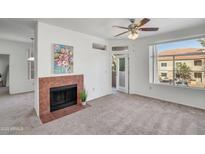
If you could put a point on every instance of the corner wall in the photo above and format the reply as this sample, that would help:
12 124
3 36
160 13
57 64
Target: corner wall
139 70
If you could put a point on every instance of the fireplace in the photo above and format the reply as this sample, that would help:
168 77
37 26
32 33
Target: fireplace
62 97
57 96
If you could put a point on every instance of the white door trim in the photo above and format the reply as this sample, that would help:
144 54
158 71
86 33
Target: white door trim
124 89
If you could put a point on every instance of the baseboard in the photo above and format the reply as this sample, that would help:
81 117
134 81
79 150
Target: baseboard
177 103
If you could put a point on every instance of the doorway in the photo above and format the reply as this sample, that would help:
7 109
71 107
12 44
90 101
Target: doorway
4 74
120 73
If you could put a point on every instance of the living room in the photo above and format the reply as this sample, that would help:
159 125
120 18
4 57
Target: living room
102 77
58 89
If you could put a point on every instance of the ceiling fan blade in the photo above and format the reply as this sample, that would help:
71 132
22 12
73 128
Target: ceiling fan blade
121 27
142 22
149 29
121 33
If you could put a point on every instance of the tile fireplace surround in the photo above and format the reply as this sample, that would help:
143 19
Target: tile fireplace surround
45 84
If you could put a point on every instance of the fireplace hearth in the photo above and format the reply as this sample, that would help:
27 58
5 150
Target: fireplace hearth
62 97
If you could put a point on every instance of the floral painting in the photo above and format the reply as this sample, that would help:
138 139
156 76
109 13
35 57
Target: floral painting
63 59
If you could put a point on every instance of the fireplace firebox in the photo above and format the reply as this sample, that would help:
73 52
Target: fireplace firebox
61 97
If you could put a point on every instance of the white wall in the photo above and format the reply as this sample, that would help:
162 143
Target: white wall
17 51
139 70
93 64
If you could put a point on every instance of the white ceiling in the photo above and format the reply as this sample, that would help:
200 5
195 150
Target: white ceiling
23 29
102 27
17 29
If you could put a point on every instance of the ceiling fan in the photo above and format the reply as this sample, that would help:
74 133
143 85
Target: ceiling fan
135 27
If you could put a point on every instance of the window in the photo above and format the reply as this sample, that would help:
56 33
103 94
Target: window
122 64
172 63
99 46
163 64
197 63
164 74
198 75
30 65
120 48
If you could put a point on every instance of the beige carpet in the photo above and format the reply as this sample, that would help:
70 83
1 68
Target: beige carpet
4 91
113 114
17 113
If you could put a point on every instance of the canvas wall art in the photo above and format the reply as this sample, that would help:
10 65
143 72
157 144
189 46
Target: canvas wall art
63 59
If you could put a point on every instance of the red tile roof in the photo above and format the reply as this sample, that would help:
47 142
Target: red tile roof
182 54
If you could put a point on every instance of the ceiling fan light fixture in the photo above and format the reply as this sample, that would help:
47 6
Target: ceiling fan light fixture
133 36
135 28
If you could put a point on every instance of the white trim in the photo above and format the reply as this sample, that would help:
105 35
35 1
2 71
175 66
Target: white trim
126 88
175 86
178 39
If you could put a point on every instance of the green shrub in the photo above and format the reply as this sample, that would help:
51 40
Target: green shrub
83 95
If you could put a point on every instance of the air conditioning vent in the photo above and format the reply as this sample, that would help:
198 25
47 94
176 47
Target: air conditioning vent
120 48
99 46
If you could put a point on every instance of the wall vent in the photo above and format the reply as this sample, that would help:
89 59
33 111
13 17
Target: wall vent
120 48
99 46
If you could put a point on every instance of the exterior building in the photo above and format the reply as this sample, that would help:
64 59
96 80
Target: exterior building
194 58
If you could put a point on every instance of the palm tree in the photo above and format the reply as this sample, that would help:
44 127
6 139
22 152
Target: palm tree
202 41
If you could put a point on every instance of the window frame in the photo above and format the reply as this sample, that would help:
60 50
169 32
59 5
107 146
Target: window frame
152 60
196 75
163 65
164 74
29 66
195 62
